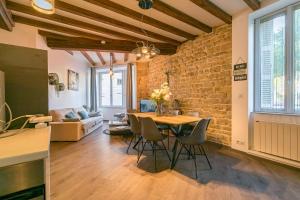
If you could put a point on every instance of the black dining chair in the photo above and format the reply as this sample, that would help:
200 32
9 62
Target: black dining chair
135 128
195 139
151 134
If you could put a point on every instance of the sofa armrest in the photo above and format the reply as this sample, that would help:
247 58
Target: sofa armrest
66 131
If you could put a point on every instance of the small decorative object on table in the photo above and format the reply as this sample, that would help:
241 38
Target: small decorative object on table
161 96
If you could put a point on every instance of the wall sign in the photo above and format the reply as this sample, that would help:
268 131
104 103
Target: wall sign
240 72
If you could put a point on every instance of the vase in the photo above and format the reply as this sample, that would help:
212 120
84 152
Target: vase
159 109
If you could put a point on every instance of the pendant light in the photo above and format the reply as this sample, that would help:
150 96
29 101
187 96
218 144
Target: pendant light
144 51
44 6
111 72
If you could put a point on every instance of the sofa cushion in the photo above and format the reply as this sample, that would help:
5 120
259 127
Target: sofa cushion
90 122
70 115
83 114
59 114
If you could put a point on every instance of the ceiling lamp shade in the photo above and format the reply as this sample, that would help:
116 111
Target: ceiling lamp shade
44 6
145 4
145 52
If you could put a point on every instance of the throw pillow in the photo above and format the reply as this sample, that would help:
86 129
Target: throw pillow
70 115
83 114
95 114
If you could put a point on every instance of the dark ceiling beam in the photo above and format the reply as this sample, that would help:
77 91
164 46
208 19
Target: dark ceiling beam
53 27
126 56
88 57
101 58
177 14
6 21
214 10
70 52
253 4
132 45
115 7
113 57
110 21
57 41
65 20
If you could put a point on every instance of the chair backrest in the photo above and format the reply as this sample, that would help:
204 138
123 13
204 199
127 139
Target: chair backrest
134 123
149 129
200 129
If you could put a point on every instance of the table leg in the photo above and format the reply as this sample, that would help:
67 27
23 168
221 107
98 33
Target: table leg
176 131
174 154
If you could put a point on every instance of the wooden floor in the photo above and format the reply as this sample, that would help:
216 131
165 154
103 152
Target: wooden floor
97 167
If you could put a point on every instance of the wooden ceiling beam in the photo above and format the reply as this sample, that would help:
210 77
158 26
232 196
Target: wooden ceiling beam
65 20
6 21
83 44
48 26
177 14
97 42
115 7
88 57
101 58
110 21
253 4
70 52
214 10
126 56
113 57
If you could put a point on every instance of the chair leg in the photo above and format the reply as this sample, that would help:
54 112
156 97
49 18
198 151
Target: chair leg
206 156
168 139
141 151
189 152
195 161
166 150
175 161
154 150
130 143
140 138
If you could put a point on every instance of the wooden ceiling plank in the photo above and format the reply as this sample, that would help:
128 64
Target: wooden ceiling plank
65 20
115 7
88 57
214 10
6 21
101 58
126 56
253 4
110 21
177 14
53 27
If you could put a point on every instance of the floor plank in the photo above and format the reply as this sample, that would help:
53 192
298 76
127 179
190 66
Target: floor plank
97 167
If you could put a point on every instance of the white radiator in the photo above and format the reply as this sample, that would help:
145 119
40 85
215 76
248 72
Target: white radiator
279 139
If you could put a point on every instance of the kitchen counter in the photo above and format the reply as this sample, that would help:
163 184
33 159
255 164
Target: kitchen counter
28 145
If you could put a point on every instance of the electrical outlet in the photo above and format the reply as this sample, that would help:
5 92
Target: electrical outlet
240 142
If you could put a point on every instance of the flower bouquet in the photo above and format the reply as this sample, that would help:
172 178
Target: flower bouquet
160 96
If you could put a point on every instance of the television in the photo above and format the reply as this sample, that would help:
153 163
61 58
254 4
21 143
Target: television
147 106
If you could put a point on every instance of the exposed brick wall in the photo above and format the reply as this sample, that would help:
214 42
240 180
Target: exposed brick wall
200 79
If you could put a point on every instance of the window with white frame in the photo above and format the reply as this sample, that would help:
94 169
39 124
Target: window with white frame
112 88
277 62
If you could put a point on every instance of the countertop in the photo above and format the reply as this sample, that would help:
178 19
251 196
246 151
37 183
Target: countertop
28 145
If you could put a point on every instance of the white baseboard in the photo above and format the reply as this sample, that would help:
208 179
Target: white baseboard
275 158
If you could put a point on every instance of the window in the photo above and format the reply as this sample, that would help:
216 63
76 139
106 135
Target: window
277 62
112 89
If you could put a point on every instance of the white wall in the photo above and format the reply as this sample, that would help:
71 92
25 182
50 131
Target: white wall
239 139
241 98
59 62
